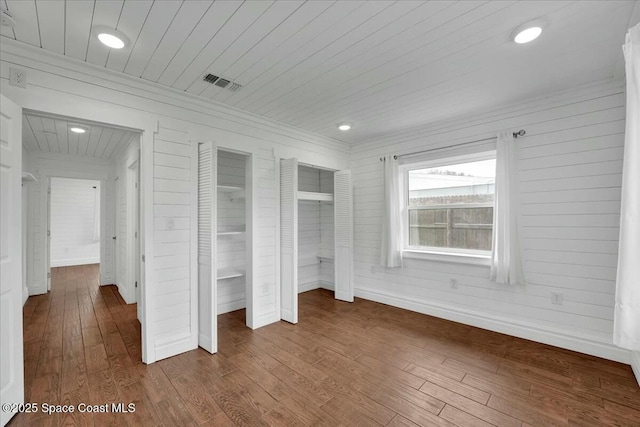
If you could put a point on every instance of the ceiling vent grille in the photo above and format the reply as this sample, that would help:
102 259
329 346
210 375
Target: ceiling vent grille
222 82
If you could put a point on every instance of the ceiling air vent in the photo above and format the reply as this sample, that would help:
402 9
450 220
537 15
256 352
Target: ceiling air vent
210 78
222 82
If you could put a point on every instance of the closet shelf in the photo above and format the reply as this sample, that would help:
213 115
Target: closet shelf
229 273
316 197
229 233
229 188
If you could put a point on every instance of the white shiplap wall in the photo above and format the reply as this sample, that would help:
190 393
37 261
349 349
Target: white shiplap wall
73 211
174 164
570 165
74 89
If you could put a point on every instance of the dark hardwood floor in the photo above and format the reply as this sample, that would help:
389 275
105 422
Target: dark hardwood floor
344 364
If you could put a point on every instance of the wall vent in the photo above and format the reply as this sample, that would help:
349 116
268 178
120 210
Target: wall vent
222 82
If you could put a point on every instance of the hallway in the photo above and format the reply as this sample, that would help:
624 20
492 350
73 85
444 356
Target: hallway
81 344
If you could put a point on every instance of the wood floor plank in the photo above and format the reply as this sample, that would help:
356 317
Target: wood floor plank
343 364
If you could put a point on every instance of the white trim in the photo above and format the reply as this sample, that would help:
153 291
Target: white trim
576 342
75 261
171 347
228 307
452 257
266 319
635 364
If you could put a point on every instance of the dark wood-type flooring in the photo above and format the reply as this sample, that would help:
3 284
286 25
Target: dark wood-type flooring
360 364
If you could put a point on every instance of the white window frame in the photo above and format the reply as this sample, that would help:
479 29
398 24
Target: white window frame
435 253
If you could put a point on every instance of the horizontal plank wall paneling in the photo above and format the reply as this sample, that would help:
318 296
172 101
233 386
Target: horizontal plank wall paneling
570 165
76 89
173 218
75 203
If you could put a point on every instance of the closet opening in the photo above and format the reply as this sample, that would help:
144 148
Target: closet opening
224 239
315 229
316 233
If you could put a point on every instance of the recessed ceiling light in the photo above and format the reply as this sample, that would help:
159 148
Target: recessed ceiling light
344 126
111 38
527 33
77 128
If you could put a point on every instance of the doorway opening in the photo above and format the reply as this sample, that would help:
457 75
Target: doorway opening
83 230
74 226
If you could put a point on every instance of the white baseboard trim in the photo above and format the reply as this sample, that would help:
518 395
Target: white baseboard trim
25 294
315 285
558 338
37 289
266 319
306 287
206 344
326 285
227 307
174 346
635 364
76 261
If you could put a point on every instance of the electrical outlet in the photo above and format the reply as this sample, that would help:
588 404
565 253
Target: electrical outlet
453 283
17 77
556 298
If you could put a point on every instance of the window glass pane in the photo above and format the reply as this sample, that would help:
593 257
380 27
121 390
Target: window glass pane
464 228
471 182
437 197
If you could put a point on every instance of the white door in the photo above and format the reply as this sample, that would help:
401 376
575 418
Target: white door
116 228
48 254
343 229
289 240
135 228
11 364
207 237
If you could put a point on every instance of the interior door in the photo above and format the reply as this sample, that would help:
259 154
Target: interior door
48 251
11 364
136 237
289 240
343 229
207 237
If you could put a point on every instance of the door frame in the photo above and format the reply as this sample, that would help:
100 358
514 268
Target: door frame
133 228
147 125
45 198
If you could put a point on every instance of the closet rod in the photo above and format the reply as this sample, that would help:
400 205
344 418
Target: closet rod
521 132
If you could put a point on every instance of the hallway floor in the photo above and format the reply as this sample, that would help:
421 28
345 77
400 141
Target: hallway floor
343 364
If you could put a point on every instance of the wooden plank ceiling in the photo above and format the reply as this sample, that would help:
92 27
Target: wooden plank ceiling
52 135
385 66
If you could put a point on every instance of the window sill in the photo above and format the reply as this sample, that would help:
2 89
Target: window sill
484 260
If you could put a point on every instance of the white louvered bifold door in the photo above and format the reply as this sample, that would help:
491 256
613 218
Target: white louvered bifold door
207 233
343 229
289 239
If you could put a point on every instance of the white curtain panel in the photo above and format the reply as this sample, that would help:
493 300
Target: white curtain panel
626 324
391 245
506 261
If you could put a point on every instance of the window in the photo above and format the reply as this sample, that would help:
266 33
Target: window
449 205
